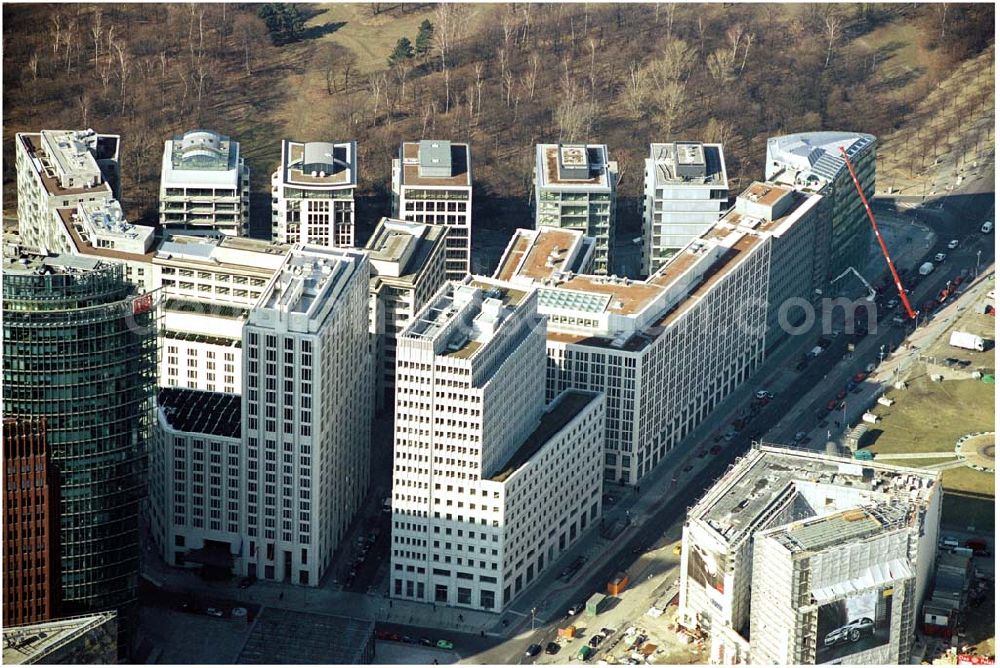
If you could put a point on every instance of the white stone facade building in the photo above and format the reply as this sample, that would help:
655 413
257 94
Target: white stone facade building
408 267
197 479
475 448
204 185
209 287
432 183
737 594
312 194
575 187
59 169
686 189
667 350
307 402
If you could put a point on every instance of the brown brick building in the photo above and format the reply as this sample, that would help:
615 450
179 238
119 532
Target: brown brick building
31 524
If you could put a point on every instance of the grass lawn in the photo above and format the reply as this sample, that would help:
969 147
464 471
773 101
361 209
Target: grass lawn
969 480
930 417
922 463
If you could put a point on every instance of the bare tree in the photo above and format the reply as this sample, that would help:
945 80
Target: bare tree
124 69
96 30
748 41
720 66
593 66
634 95
574 115
247 33
375 85
479 87
671 8
508 24
201 73
531 75
942 11
56 28
734 35
84 101
832 31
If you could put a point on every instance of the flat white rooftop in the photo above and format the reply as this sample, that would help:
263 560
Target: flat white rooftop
310 278
688 164
399 248
573 167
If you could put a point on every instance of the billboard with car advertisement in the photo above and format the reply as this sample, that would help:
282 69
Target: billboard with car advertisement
853 624
707 568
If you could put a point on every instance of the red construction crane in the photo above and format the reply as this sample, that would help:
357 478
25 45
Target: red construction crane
881 242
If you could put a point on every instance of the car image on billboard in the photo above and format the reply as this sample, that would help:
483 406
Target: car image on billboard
853 624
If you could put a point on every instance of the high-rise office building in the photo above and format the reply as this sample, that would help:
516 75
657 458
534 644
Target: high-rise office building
432 183
308 403
476 448
575 187
61 168
80 349
788 541
667 350
31 524
686 190
812 162
408 267
204 185
312 194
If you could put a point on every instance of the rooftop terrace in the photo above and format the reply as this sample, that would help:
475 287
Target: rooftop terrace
212 413
688 163
69 171
447 164
538 254
319 164
399 248
560 413
577 165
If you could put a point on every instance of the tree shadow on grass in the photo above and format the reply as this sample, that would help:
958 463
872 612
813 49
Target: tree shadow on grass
313 32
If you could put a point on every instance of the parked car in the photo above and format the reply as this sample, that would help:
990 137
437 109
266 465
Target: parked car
851 384
688 468
714 450
427 642
214 612
595 640
245 582
534 649
800 436
552 648
940 257
987 227
445 644
841 394
576 609
730 435
850 632
761 395
953 244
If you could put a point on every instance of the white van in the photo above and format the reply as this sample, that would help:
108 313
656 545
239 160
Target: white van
987 227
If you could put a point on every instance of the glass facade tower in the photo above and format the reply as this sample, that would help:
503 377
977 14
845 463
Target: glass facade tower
80 349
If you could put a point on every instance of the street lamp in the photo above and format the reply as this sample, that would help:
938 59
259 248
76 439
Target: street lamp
533 611
881 353
978 253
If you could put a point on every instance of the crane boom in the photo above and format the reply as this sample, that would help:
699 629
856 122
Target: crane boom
881 242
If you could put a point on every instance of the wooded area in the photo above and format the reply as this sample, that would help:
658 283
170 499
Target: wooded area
621 74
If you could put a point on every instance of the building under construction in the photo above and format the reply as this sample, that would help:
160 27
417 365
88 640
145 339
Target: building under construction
790 547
